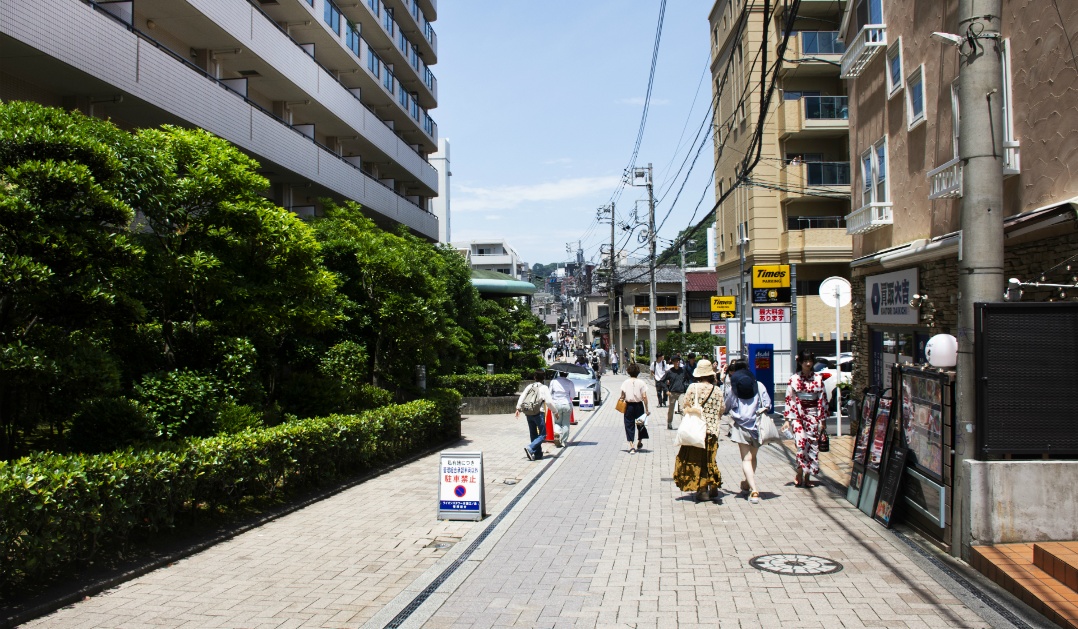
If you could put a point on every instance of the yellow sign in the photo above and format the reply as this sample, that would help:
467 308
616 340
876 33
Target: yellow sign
724 304
645 310
771 276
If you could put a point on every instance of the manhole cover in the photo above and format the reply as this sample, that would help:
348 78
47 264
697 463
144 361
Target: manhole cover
511 481
795 565
440 545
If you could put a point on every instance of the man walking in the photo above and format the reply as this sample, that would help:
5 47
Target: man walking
562 393
658 370
676 381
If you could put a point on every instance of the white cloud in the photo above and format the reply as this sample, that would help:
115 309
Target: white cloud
638 101
478 199
559 161
493 217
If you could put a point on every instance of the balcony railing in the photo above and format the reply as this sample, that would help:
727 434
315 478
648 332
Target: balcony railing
827 173
797 223
946 181
827 107
868 218
871 39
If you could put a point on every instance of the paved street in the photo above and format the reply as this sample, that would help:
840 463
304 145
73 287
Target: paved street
602 538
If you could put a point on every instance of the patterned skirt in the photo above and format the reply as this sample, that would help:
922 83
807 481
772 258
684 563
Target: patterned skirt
695 468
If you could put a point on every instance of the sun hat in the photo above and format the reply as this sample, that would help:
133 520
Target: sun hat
703 368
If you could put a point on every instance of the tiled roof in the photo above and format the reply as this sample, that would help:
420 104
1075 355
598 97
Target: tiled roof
701 281
665 274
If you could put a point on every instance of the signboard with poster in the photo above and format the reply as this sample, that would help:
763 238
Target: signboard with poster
770 283
718 329
771 314
460 486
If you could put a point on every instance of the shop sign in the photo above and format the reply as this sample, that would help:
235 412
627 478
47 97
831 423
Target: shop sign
887 297
460 486
722 316
645 310
771 314
727 303
718 329
770 283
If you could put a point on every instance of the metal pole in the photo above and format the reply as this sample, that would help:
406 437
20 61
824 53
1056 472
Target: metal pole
621 330
651 268
741 293
793 319
613 285
980 245
838 363
684 305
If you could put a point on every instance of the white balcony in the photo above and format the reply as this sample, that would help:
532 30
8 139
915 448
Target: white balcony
868 218
945 181
871 39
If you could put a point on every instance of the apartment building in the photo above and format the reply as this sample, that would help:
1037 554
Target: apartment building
494 255
792 209
331 98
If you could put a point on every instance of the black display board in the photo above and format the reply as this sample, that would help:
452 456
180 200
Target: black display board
922 419
866 410
890 482
879 440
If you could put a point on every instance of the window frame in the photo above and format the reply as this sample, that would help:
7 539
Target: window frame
913 120
873 185
1010 167
895 51
332 16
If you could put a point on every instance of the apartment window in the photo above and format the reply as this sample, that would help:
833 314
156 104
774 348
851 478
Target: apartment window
415 9
874 174
894 68
669 301
388 23
310 2
415 106
333 17
388 81
956 117
351 38
376 7
402 97
374 63
700 308
821 43
915 98
1011 164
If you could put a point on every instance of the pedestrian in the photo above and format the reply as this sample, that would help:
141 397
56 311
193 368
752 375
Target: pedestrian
806 412
745 399
531 402
658 370
695 468
690 362
614 362
635 394
602 360
676 382
562 393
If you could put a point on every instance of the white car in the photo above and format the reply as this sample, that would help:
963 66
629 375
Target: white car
825 365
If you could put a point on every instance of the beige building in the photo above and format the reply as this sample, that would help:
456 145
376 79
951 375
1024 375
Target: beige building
792 209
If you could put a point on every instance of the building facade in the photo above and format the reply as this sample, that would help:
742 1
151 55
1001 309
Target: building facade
494 255
792 207
332 99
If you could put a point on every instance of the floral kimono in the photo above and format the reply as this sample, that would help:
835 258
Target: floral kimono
806 410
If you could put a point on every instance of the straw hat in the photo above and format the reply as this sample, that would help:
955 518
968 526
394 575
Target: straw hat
703 368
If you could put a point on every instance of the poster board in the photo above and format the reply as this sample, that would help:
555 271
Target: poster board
587 400
890 483
461 494
881 425
864 411
922 420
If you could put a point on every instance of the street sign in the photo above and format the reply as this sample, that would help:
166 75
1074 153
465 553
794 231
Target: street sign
587 400
718 329
460 486
771 314
770 283
727 303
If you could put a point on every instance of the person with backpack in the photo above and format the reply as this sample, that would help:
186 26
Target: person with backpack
676 382
658 370
530 403
746 398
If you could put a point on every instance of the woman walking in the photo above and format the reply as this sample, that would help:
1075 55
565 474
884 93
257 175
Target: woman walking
635 394
531 402
695 468
745 399
806 411
614 361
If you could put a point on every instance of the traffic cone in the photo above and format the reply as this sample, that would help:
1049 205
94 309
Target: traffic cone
572 417
549 425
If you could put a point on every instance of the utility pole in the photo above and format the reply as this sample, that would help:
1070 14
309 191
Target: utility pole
980 245
742 293
651 268
684 291
613 283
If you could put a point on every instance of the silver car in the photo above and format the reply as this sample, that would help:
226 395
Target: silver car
588 381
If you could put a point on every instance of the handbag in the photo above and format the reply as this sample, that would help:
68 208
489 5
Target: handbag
765 426
824 441
693 429
620 405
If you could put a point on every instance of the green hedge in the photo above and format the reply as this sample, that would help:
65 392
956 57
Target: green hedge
474 385
59 512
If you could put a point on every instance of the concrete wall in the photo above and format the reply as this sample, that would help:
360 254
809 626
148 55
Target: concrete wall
1022 501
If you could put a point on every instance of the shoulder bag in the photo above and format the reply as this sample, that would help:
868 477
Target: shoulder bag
765 426
693 429
621 405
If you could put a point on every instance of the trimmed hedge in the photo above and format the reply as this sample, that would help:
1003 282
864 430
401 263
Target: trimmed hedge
474 385
58 512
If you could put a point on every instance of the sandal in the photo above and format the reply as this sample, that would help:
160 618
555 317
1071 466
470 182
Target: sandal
754 497
632 450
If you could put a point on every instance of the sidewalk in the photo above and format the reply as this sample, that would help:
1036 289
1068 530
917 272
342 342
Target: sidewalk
591 537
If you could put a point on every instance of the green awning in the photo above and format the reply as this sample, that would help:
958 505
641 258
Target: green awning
500 284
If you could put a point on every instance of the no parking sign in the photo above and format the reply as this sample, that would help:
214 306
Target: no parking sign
460 486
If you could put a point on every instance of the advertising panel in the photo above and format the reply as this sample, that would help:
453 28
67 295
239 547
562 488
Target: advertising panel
771 314
770 283
460 486
888 297
725 303
922 421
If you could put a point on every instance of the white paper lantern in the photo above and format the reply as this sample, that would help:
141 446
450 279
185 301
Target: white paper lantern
942 351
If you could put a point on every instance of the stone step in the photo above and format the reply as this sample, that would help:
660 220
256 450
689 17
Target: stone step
1012 567
1059 559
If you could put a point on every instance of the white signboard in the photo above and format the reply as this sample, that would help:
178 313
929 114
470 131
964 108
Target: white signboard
460 486
718 329
771 314
720 356
887 297
587 400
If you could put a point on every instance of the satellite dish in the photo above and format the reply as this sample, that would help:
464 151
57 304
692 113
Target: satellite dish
835 291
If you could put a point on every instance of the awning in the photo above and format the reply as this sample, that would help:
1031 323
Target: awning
500 284
602 321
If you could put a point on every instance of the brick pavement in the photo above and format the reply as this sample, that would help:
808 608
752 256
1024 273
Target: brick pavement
603 539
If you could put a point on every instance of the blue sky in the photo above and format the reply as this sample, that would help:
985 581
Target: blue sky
541 104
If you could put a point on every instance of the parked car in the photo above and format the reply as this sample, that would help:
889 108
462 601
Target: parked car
588 381
834 373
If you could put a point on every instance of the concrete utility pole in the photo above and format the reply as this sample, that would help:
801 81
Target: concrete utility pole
980 247
742 293
651 268
613 283
684 291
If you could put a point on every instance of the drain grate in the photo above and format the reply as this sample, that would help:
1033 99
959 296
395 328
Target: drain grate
795 565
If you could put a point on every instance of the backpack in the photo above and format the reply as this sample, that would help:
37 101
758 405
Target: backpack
533 400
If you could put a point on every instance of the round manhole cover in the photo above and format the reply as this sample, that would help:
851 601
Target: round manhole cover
795 565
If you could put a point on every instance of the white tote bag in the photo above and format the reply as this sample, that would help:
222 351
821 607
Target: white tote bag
693 430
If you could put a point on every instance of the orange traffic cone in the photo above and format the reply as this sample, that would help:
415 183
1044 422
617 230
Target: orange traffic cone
549 425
